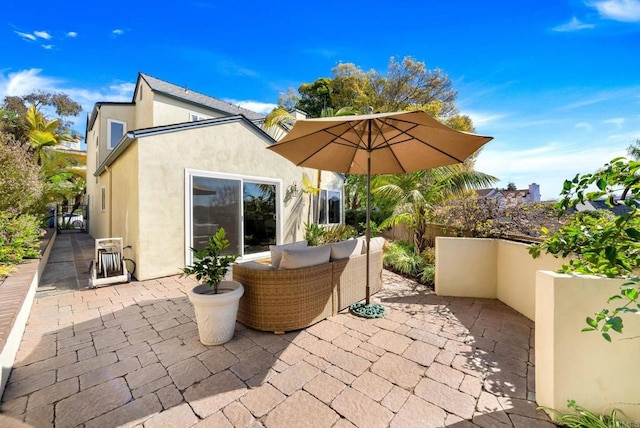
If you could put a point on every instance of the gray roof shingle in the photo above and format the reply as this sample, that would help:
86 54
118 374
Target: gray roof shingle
182 93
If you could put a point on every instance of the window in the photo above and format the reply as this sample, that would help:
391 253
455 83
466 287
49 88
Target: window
103 199
329 209
194 117
246 207
116 130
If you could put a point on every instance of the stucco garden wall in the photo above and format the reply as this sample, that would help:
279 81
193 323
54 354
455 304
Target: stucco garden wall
490 268
569 364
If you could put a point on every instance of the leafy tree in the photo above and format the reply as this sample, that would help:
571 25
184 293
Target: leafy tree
14 118
634 150
511 186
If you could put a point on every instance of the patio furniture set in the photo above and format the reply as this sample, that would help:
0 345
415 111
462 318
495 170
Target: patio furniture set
304 285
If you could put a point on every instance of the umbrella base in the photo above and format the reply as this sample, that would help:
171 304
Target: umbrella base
372 310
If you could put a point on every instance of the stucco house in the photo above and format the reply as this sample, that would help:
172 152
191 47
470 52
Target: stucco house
169 168
512 197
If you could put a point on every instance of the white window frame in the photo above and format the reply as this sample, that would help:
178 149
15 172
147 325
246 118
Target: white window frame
124 131
194 117
314 207
188 209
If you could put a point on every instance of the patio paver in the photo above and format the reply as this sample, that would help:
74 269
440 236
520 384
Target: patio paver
129 354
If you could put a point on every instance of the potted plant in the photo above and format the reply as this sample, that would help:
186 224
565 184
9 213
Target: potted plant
215 300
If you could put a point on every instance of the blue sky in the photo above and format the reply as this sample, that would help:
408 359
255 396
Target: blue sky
555 82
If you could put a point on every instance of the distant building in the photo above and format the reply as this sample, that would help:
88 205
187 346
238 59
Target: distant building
512 197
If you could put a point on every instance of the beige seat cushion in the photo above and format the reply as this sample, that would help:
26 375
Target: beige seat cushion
376 244
305 257
276 251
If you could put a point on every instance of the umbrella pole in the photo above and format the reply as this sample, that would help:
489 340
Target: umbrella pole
368 231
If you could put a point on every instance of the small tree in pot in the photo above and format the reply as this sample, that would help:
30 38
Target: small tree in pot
211 266
215 300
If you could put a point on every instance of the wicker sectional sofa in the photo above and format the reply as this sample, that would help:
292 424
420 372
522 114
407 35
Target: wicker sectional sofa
281 300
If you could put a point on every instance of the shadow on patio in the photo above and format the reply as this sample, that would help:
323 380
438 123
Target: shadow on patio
130 355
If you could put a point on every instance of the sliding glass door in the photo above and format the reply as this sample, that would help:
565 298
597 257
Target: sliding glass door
246 207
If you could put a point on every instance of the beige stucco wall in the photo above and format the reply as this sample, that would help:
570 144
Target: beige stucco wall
233 148
516 275
117 112
144 106
466 267
124 205
167 111
490 268
583 367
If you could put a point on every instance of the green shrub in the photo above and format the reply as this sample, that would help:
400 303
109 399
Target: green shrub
319 235
583 418
401 258
19 237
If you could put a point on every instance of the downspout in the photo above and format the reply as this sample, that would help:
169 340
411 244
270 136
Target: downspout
109 201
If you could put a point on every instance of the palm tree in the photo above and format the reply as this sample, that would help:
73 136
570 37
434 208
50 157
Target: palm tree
415 194
43 133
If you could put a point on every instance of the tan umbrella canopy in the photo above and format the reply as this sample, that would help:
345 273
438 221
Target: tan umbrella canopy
382 143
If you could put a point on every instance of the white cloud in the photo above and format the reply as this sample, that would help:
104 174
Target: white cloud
573 25
24 82
47 47
26 36
117 32
484 119
256 106
42 35
618 10
584 125
616 121
548 165
72 34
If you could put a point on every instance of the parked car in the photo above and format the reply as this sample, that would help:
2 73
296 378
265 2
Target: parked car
71 221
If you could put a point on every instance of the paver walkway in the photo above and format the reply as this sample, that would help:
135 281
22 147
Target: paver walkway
129 355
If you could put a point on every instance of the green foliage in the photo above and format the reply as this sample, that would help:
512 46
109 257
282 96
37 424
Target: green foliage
583 418
400 257
597 244
20 185
19 237
407 85
606 320
211 266
488 218
319 235
416 195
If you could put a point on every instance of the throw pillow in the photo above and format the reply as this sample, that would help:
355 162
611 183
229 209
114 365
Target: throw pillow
305 257
345 249
376 244
276 251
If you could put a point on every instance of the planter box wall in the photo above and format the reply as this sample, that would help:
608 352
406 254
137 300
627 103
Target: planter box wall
599 375
16 299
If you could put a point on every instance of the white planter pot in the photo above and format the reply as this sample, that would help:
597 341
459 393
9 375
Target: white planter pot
216 313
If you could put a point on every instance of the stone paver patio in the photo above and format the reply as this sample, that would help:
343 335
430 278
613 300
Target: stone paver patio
129 355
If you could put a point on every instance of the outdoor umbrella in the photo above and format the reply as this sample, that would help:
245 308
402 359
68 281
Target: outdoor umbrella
382 143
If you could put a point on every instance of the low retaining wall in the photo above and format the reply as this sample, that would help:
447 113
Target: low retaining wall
16 298
570 365
490 268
